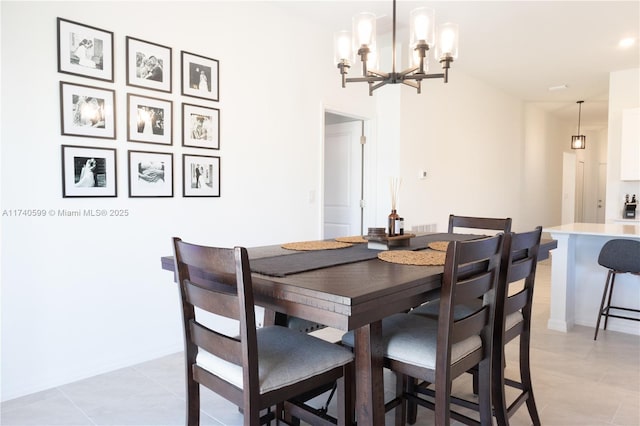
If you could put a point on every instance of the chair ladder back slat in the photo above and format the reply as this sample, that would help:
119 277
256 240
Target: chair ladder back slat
225 347
516 301
487 223
470 325
206 258
217 302
474 287
521 269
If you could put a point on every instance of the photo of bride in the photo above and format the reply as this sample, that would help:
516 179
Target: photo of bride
88 174
88 171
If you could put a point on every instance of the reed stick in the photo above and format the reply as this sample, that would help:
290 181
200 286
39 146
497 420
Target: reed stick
394 186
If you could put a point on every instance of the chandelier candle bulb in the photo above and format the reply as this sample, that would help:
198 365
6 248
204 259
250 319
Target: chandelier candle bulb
343 51
448 45
421 20
364 30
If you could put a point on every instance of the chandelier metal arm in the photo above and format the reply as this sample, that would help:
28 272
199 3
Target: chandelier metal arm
419 77
369 79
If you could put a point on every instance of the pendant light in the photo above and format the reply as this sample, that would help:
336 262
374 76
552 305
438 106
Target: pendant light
578 141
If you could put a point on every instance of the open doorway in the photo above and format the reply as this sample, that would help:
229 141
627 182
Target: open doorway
344 161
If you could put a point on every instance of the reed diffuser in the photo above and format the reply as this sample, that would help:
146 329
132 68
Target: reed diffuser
394 218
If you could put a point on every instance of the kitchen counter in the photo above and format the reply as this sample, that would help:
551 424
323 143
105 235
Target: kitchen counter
577 280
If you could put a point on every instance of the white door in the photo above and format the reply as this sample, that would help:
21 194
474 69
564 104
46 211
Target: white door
579 211
342 179
602 192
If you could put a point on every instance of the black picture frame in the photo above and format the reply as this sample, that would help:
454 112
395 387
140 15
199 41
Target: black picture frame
200 76
149 65
149 120
89 172
85 50
200 126
87 111
150 174
201 175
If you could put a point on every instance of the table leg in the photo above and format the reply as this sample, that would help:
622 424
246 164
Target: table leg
369 375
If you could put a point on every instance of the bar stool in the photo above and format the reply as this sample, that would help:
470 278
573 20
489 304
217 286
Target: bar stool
620 257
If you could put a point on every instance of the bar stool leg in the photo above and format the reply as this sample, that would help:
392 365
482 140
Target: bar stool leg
610 277
606 318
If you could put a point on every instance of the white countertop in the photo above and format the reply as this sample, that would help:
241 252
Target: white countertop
598 229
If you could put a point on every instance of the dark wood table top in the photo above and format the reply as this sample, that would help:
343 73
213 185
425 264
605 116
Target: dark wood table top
350 295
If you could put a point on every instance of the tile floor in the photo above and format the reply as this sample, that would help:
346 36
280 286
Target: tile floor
577 382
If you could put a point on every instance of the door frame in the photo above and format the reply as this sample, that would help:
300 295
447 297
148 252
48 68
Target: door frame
367 173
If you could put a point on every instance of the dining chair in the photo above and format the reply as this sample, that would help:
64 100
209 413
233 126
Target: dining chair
486 223
503 225
514 300
619 256
438 351
257 368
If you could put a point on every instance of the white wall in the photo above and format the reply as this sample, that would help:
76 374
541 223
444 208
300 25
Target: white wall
85 295
624 93
485 154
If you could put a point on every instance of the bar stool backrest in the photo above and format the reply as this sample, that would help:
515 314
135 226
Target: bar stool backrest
621 255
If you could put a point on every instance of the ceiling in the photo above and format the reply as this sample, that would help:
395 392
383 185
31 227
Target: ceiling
521 47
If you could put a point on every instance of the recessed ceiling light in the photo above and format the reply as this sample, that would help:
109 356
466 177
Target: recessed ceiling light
559 87
627 42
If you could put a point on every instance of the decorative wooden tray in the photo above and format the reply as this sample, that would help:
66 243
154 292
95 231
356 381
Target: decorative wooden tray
385 242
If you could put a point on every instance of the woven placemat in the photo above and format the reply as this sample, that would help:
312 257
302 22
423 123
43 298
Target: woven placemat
356 239
439 245
315 245
407 257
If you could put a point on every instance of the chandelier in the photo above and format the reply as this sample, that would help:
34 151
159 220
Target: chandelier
578 141
362 40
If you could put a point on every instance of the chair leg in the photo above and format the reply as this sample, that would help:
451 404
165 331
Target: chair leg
402 383
346 397
484 392
525 377
497 386
604 296
193 402
412 407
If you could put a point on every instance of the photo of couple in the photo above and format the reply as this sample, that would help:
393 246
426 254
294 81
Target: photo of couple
149 68
89 172
85 51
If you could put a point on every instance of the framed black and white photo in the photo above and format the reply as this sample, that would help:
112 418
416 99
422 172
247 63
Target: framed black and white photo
88 172
87 111
200 126
85 50
148 65
150 174
201 176
150 120
200 76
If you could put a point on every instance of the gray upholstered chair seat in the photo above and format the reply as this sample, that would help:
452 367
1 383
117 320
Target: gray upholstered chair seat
285 357
412 339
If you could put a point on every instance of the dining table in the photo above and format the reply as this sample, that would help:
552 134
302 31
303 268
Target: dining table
348 289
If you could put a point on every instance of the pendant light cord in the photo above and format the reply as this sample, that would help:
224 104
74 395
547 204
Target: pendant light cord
579 114
393 66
